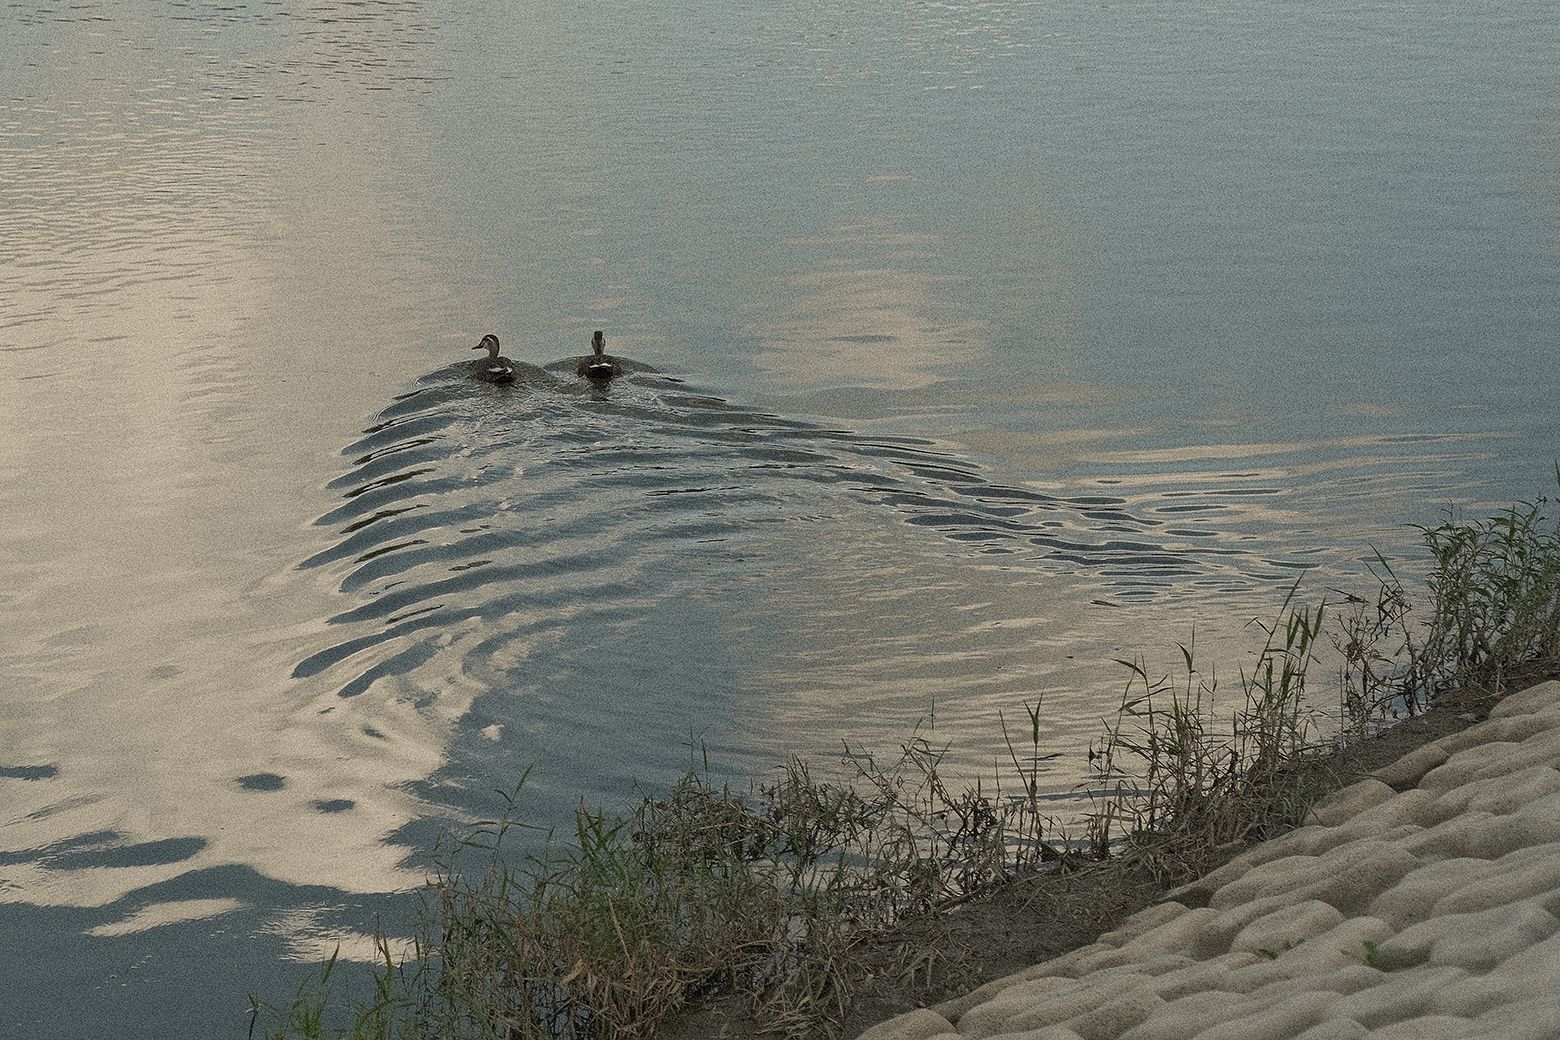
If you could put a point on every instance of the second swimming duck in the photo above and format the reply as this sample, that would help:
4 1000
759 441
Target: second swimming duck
600 364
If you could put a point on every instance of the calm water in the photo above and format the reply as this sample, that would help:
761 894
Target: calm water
999 338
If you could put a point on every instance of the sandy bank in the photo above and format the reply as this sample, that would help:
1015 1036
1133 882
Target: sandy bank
1417 904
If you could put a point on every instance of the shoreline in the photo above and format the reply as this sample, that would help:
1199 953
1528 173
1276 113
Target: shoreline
1335 936
941 959
907 908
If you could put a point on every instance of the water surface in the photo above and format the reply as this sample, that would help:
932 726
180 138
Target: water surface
998 339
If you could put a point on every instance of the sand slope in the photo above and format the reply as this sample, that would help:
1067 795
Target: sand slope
1418 904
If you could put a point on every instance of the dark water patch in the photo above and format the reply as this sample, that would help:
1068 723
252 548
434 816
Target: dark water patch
1212 507
113 854
1119 518
76 844
399 664
400 446
231 932
382 550
396 478
262 782
43 772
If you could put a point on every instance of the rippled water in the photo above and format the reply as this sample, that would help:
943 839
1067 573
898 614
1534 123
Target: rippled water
999 339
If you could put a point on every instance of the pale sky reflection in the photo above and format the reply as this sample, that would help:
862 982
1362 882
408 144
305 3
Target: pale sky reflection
166 913
870 327
169 474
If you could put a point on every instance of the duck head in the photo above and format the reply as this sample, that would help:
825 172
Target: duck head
490 344
598 343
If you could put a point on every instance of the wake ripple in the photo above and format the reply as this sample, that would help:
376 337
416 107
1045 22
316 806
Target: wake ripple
520 512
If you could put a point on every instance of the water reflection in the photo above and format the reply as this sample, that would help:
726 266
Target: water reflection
861 327
175 819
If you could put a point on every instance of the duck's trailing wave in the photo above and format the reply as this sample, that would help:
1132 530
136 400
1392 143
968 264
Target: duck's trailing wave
537 510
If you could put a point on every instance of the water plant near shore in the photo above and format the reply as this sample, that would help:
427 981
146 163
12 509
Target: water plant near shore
1175 773
764 891
1493 615
767 891
1181 777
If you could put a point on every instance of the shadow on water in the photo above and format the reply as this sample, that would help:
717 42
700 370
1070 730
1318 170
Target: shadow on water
550 506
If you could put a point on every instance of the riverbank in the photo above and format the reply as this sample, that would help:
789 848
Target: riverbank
818 907
1416 903
927 961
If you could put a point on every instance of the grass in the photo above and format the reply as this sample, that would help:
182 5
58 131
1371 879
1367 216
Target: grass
1182 776
1493 616
1178 776
608 930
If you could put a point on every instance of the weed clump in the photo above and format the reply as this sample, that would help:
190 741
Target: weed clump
702 889
1180 778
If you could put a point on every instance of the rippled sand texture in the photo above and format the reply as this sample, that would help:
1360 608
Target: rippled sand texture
1418 904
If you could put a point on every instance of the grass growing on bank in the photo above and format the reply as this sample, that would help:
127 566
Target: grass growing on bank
605 932
762 891
1179 774
1494 614
1185 773
610 930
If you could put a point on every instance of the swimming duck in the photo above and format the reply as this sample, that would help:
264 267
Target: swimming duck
600 364
495 369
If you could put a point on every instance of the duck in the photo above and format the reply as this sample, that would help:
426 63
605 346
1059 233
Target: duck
495 369
599 364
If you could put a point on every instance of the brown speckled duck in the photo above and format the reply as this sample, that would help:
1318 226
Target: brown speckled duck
493 369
